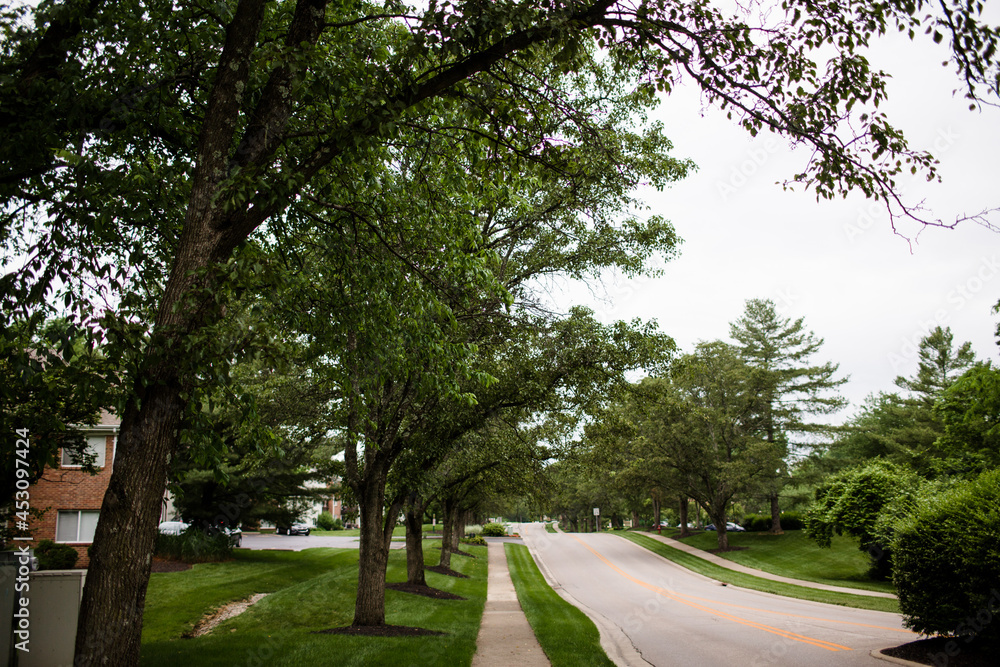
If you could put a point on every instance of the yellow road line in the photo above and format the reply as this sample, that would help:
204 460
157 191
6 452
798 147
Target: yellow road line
830 646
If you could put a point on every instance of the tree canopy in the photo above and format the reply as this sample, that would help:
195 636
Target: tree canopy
141 171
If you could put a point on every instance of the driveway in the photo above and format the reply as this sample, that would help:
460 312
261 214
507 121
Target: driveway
673 616
300 542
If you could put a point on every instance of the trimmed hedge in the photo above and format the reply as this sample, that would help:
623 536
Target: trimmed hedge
194 546
760 523
52 556
494 530
946 561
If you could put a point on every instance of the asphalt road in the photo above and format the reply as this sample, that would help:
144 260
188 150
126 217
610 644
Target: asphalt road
673 616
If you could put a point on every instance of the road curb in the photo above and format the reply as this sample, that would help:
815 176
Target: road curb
616 644
877 654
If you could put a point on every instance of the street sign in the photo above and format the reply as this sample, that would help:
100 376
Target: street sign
597 511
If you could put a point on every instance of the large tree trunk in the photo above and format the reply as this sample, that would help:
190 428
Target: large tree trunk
682 507
109 628
369 608
775 516
414 541
447 536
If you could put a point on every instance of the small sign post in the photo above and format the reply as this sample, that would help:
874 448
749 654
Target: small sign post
597 519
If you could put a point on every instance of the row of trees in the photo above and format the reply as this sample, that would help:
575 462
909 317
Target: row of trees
377 187
723 423
917 481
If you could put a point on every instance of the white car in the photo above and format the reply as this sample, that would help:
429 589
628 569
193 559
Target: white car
178 527
173 527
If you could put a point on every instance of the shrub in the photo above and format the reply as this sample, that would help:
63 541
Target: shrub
325 521
474 529
194 546
756 523
52 556
853 501
494 530
946 563
789 521
475 539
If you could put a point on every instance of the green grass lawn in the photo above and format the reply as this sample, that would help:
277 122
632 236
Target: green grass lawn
722 574
309 590
550 527
794 555
567 636
398 531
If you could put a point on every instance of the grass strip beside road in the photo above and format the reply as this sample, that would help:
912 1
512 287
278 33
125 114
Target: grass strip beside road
550 527
795 555
742 580
567 636
309 590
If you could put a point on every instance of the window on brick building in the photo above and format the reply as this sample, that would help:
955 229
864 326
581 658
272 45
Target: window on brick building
76 525
97 444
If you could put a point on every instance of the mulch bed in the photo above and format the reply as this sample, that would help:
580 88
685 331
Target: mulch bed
161 565
937 651
446 571
426 591
380 631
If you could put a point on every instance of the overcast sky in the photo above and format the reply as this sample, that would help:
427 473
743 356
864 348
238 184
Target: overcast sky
869 293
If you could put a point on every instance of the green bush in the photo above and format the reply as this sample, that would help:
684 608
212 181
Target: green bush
756 523
52 556
946 561
475 539
194 546
325 521
494 530
852 503
789 521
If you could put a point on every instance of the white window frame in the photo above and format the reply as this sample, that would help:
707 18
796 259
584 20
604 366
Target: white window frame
79 521
102 454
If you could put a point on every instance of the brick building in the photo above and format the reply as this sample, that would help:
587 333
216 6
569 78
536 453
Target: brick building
72 497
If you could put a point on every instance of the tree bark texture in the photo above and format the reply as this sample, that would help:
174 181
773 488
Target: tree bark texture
775 516
682 507
369 608
414 542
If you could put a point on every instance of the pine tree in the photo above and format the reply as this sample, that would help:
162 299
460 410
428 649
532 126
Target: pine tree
794 389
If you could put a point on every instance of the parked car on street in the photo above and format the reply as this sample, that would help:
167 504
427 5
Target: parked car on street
730 527
295 529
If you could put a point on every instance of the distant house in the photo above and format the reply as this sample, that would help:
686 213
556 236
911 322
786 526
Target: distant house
73 497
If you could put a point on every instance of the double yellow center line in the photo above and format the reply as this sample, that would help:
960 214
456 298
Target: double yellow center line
821 643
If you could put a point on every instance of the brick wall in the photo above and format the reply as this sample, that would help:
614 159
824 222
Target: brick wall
70 489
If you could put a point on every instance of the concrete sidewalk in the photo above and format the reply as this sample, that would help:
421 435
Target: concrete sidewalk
505 638
730 565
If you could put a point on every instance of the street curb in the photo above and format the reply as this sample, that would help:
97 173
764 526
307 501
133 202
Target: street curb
616 644
877 654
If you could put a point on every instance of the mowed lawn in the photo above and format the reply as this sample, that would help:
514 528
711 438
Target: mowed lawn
309 590
794 555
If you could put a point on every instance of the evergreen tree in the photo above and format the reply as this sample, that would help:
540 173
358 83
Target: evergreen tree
793 388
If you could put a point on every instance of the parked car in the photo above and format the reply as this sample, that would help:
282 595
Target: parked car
294 529
173 527
730 527
178 527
